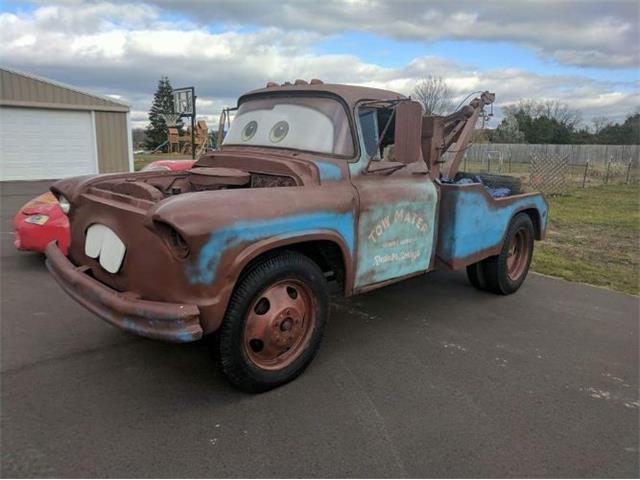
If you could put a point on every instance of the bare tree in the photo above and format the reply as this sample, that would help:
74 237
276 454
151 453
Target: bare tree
600 123
553 109
531 108
434 95
561 112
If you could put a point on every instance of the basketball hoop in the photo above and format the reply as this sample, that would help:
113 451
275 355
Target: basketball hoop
171 119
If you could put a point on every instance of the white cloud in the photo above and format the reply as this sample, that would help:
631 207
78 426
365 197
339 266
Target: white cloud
123 49
585 33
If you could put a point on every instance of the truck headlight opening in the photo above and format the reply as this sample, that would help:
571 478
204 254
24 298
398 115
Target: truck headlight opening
176 242
65 205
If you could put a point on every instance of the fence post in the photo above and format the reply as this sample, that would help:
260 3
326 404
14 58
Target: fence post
628 171
584 177
606 177
488 164
465 163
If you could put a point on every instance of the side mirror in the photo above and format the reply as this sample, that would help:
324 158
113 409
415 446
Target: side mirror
432 143
408 132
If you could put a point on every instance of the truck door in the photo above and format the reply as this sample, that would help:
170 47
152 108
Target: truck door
398 199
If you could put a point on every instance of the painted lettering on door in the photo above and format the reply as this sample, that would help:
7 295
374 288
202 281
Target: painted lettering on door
395 240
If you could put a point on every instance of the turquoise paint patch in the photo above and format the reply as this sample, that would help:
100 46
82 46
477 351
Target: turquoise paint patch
328 171
184 337
469 223
396 239
203 270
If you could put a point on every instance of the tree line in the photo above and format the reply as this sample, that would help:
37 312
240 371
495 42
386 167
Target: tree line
552 121
534 121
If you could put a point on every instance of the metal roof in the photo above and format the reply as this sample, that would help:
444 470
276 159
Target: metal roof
25 89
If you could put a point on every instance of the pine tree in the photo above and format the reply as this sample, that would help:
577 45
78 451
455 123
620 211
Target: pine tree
156 132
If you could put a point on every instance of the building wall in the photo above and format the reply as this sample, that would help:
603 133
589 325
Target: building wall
112 142
110 117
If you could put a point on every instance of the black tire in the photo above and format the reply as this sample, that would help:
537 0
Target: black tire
475 273
234 360
496 271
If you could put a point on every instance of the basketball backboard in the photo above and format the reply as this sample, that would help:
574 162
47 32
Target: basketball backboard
183 101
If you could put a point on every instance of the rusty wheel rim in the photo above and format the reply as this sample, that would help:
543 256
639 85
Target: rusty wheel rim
279 325
518 256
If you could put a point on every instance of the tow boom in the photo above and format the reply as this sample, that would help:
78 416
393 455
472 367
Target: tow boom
439 133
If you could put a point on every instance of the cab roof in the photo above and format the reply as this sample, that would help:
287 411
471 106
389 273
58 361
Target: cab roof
351 94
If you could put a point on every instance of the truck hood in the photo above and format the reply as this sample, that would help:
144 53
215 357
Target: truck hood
262 166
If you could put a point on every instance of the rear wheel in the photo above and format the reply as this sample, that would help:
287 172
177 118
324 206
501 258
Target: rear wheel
274 322
505 273
475 273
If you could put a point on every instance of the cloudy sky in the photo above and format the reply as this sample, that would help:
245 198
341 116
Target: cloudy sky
584 53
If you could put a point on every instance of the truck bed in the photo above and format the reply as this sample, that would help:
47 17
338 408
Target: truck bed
472 223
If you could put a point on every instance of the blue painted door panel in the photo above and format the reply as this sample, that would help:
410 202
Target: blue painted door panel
395 228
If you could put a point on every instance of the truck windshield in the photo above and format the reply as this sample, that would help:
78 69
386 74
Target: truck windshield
315 124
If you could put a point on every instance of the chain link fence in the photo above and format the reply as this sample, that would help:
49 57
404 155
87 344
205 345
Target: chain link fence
554 169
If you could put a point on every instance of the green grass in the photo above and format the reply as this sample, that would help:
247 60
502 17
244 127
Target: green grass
140 160
593 237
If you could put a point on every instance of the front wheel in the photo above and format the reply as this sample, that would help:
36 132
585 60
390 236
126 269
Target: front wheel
505 273
274 322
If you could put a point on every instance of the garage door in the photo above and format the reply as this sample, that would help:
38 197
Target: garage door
45 144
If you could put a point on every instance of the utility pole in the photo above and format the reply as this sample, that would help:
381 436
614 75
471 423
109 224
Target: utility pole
193 130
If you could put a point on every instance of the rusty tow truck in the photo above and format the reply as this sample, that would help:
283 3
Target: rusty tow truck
315 186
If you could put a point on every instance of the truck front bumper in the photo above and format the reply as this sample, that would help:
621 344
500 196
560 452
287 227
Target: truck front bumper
171 322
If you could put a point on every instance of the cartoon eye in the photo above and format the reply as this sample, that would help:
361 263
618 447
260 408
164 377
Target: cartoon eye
249 130
279 131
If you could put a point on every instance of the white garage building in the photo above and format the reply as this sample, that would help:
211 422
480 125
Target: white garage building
49 130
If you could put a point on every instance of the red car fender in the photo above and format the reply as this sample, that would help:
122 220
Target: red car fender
35 236
55 227
169 165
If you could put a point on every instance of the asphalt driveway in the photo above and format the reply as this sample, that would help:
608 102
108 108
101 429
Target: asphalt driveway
424 378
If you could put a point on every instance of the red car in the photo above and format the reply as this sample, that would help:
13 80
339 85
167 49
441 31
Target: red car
169 165
42 220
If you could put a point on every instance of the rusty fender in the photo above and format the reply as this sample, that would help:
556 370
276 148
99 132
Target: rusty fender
227 229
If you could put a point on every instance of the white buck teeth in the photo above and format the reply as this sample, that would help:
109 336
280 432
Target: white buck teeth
103 243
